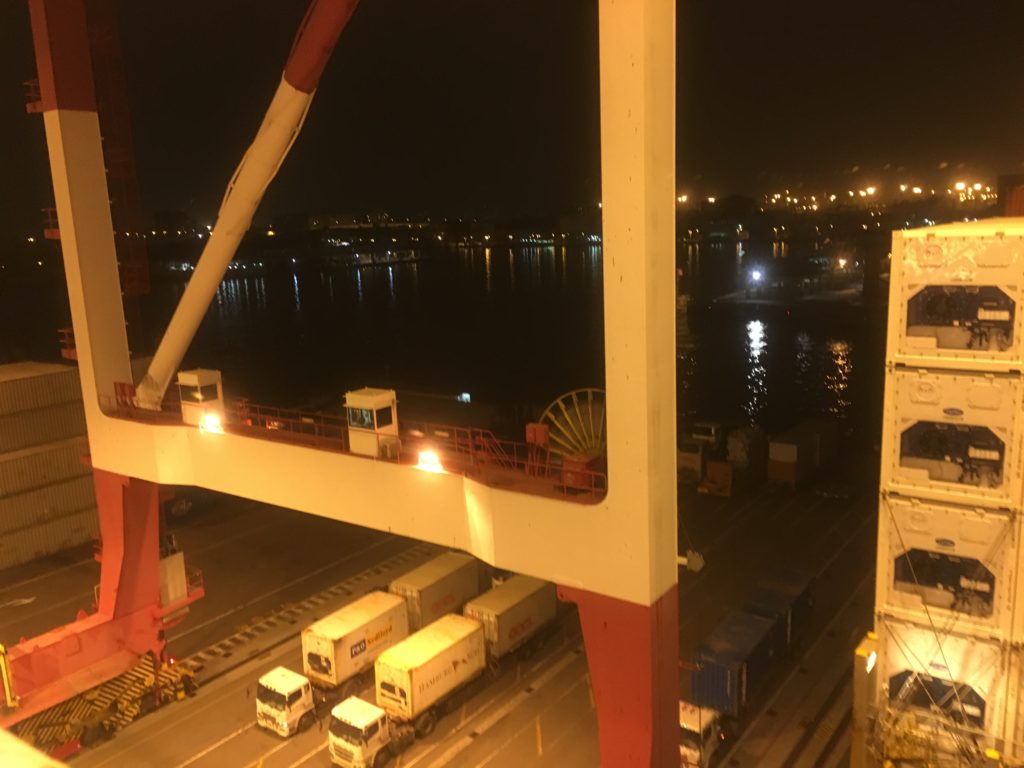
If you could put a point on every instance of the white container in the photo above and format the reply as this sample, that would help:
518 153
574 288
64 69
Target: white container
31 386
915 667
953 437
513 612
958 565
41 539
42 465
439 586
25 510
414 675
956 294
46 425
347 642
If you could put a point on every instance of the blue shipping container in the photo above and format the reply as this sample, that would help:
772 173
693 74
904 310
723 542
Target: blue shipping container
734 660
798 587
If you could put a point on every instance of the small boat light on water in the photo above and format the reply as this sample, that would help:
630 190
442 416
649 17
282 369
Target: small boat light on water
210 422
430 462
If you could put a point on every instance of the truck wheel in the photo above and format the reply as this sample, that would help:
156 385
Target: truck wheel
306 721
425 723
351 688
381 759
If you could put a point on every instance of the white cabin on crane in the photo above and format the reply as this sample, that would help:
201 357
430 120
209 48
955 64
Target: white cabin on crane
372 422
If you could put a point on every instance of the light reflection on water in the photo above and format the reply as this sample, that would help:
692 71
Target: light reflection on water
837 380
514 313
757 373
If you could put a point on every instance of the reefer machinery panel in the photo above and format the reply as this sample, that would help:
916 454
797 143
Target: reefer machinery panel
955 296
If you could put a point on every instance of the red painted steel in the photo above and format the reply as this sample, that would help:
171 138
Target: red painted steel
62 55
128 621
316 38
119 155
633 655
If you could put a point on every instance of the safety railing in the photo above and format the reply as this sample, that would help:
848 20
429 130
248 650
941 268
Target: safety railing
318 429
470 451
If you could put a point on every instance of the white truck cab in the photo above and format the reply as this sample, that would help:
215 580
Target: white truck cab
363 736
284 702
700 733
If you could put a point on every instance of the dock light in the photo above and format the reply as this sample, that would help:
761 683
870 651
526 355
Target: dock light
842 263
870 190
960 186
430 462
756 275
870 663
210 422
916 190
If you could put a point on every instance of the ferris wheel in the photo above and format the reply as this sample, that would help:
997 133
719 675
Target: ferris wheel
576 423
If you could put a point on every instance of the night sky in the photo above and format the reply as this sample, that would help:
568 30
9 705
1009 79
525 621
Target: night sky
490 107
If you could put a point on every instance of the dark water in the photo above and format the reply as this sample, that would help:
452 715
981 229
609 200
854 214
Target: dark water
514 328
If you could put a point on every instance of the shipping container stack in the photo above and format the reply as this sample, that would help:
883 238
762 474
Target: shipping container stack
47 499
938 682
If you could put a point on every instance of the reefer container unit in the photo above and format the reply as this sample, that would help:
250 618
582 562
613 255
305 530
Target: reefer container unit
955 296
45 425
513 613
953 437
41 465
959 564
56 535
734 660
937 684
31 386
439 586
422 670
24 510
343 645
786 597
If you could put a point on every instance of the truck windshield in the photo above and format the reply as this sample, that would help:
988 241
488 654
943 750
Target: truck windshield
269 697
347 732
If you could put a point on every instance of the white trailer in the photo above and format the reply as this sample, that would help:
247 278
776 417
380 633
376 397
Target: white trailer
513 613
439 586
415 678
339 648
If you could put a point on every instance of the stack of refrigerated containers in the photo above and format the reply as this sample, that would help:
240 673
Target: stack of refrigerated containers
943 674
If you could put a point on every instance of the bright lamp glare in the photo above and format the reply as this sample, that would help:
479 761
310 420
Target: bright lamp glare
430 462
210 422
756 275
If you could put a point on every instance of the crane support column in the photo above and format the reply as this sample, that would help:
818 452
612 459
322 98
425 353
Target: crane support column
633 648
130 618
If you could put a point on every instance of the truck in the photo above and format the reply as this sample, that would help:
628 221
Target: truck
733 662
786 597
690 460
795 456
417 680
514 616
439 586
340 649
284 702
700 734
